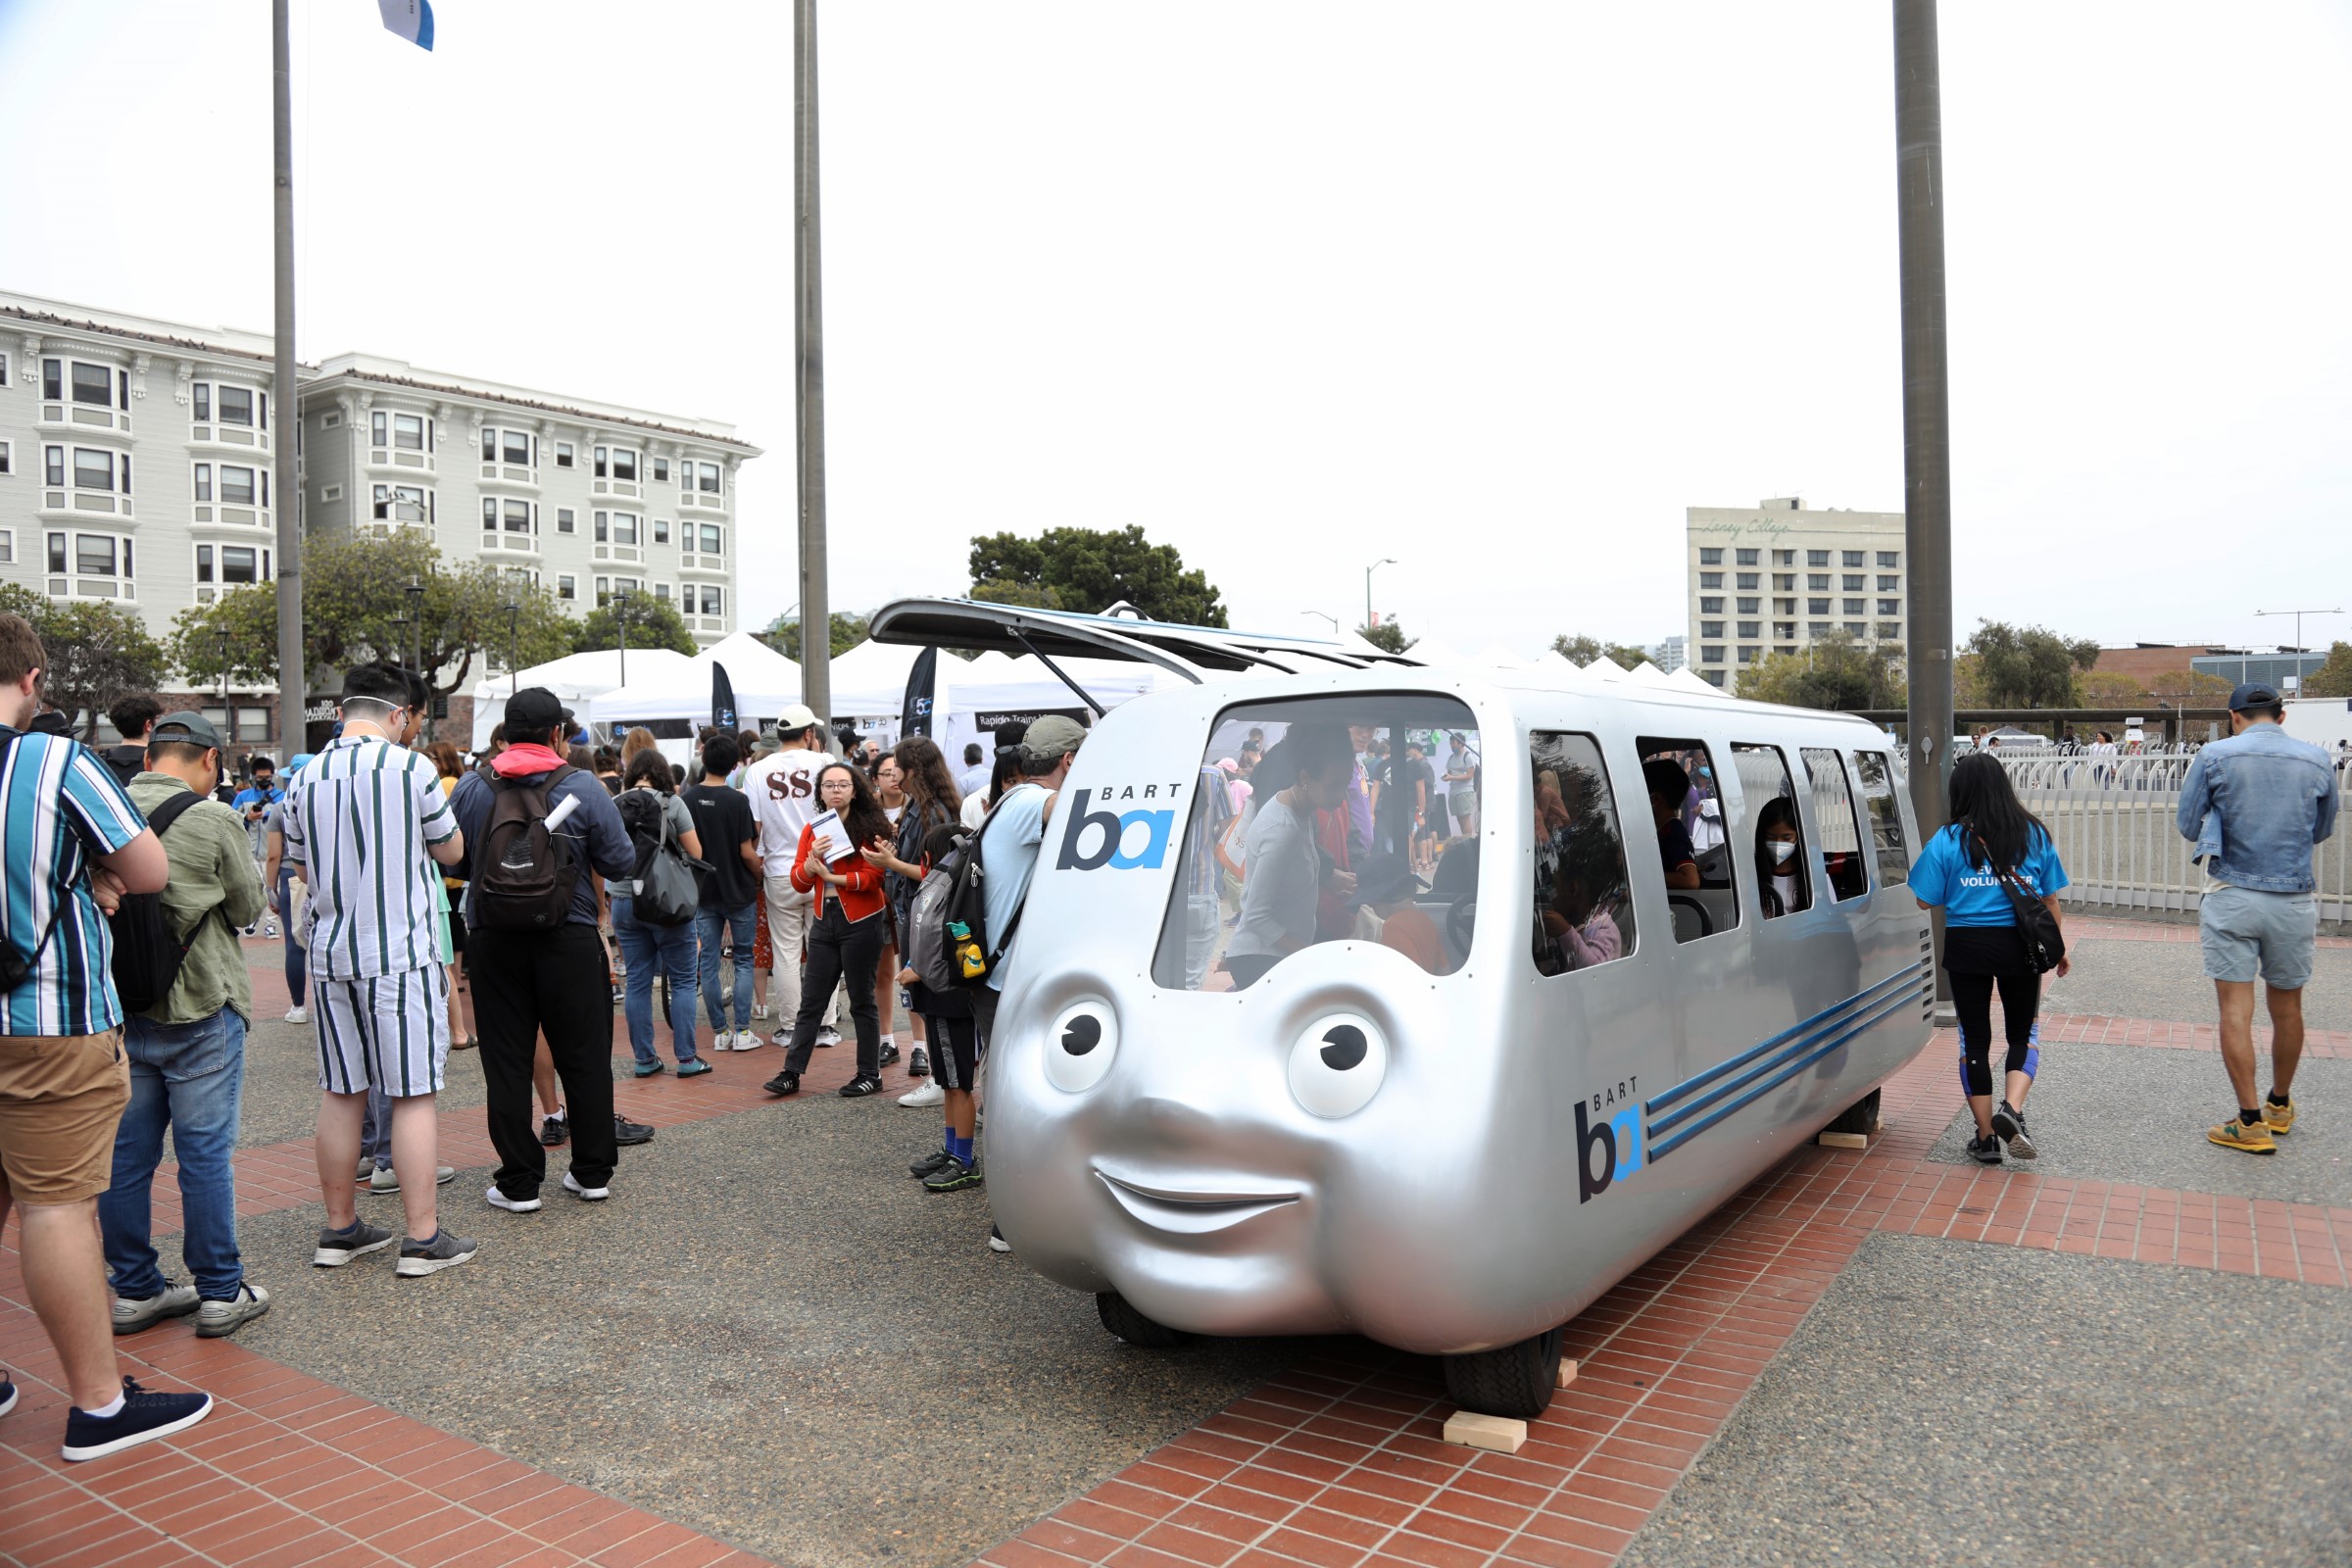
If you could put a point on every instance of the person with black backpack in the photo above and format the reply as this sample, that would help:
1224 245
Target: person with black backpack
182 980
538 833
653 915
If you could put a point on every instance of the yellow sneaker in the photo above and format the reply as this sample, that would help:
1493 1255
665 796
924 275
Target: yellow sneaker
2280 1119
2236 1134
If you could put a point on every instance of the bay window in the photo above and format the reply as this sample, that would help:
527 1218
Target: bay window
713 539
710 478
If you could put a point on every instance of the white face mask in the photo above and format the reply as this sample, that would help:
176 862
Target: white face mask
1781 850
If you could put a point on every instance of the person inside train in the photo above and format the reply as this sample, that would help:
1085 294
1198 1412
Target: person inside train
1668 783
1286 874
1780 866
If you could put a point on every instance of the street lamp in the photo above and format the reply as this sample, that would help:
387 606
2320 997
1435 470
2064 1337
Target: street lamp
2298 615
1368 571
1334 619
620 624
514 646
226 716
415 592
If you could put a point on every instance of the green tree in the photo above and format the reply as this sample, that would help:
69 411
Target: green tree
2332 678
95 654
2109 688
652 624
356 605
1836 674
1580 650
784 634
1024 595
1092 570
1389 637
2029 666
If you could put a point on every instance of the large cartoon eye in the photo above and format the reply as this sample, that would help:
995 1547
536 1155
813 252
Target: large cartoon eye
1337 1064
1080 1047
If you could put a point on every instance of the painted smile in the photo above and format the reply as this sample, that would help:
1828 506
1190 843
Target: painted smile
1190 1210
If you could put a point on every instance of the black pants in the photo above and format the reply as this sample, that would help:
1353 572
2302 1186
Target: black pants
1978 962
526 983
838 946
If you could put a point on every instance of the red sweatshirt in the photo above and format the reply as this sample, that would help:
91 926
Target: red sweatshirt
859 899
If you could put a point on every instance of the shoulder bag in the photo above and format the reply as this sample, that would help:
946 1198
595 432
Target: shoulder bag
2036 925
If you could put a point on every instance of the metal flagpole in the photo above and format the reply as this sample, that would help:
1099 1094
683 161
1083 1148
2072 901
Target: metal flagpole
293 689
1927 410
809 345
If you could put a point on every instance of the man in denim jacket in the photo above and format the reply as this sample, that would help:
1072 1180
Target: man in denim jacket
2255 805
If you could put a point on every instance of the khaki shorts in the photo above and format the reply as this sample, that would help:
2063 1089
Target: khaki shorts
59 1098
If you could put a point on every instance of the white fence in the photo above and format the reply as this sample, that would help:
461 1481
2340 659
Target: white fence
2114 822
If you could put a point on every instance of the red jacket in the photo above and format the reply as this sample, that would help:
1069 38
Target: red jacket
859 899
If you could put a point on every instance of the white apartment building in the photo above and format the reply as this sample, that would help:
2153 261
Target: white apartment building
136 467
1776 578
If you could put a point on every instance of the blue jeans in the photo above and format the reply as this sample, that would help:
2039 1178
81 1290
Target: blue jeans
708 925
641 947
188 1077
298 961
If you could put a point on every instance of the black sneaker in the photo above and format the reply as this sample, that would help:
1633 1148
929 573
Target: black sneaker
890 1051
931 1164
2009 1126
1986 1150
859 1087
554 1131
8 1394
419 1258
143 1418
786 1082
338 1248
918 1064
628 1134
953 1177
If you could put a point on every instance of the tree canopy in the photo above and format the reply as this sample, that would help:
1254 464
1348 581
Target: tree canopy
355 600
784 634
1581 650
2028 666
97 654
1838 674
1389 637
652 624
2333 678
1091 569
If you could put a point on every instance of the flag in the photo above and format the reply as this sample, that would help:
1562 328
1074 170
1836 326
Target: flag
915 718
722 701
412 20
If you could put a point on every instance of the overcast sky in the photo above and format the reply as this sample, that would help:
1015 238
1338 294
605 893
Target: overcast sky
1497 289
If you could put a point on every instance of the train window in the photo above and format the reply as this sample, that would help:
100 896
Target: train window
1584 908
1839 825
1775 828
1885 817
1685 807
1313 820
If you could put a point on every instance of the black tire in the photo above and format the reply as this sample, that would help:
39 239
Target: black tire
1123 1320
1862 1117
1515 1381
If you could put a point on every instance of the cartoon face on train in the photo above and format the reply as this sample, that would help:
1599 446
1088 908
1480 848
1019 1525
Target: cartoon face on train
1244 1074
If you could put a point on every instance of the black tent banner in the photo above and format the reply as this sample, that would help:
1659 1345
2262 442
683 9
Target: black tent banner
915 716
722 700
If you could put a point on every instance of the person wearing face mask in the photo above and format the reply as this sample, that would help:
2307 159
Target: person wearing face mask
1287 876
1777 873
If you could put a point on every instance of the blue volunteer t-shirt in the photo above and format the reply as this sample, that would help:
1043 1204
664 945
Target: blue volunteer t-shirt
1972 895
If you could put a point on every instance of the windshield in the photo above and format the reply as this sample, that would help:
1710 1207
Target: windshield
1327 819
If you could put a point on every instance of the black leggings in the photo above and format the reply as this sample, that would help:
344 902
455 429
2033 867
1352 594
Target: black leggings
837 947
1971 999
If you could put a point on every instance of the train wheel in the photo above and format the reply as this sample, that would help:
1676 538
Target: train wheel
1119 1316
1862 1117
1516 1381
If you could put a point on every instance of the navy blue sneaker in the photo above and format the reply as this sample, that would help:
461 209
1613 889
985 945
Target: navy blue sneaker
144 1417
8 1394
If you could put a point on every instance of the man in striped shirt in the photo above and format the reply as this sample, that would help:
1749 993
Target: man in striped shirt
71 845
365 824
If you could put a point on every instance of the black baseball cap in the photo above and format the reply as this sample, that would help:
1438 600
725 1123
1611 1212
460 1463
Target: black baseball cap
533 710
188 728
2253 694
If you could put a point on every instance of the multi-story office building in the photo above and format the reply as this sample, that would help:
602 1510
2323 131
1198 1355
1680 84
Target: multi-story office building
1674 653
585 498
1776 578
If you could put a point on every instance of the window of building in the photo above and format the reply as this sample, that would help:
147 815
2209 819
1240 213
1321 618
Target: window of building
1790 649
660 530
233 405
1774 830
1852 584
1817 607
1710 628
1783 557
1751 579
601 462
1854 607
1817 557
1710 607
564 454
1890 607
1818 581
1818 628
1751 628
94 384
1713 677
517 447
566 521
1748 655
1748 558
405 503
1857 629
624 527
1784 581
1749 606
711 599
624 463
603 526
660 470
1885 817
566 588
1685 810
3 369
1888 559
1784 630
1891 630
1710 579
662 592
709 483
407 433
603 589
8 461
240 563
8 547
1853 558
94 469
236 485
1708 557
1710 653
713 539
519 516
1584 910
1784 607
1891 585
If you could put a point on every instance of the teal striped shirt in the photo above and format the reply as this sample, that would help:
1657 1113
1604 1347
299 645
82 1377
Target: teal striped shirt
359 818
59 810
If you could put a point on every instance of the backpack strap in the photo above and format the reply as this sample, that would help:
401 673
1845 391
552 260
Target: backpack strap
171 811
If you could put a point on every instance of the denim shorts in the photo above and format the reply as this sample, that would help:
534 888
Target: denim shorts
2246 933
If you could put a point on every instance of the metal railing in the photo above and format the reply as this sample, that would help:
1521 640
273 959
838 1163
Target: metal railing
2113 819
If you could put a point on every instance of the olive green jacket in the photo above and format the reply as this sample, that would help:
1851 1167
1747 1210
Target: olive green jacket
211 868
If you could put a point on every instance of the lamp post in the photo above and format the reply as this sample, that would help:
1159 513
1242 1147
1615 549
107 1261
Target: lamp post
513 614
2298 615
1334 619
226 716
620 625
1389 561
415 592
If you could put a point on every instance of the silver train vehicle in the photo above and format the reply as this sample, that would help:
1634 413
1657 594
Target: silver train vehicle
1426 1004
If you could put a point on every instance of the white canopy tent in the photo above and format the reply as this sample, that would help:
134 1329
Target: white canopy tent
994 688
574 678
765 683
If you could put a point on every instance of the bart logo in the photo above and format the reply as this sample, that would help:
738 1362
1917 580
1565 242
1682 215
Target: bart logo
1618 1139
1115 833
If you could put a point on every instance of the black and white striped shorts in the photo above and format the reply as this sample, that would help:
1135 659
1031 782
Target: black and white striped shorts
391 1031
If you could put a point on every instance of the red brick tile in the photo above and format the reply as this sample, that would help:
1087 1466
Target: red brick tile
1321 1551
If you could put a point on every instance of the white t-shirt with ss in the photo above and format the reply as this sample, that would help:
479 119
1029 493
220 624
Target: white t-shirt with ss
782 790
